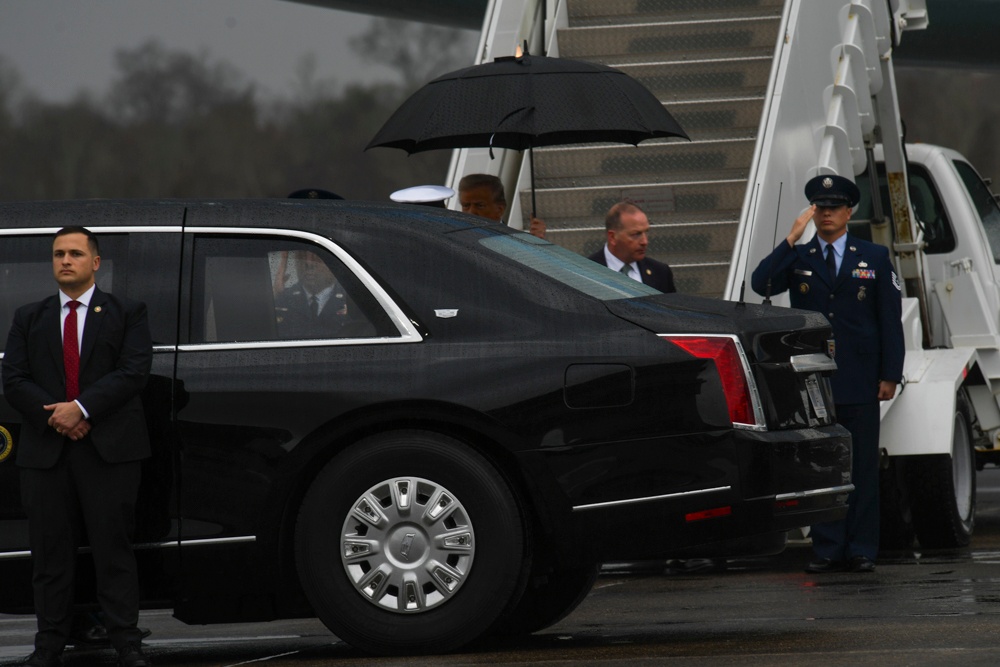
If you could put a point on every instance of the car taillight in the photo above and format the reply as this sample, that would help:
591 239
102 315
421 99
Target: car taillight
739 388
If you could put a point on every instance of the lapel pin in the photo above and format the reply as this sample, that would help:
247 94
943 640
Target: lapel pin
812 251
648 272
853 249
97 309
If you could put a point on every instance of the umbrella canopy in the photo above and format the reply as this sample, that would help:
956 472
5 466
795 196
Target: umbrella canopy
527 101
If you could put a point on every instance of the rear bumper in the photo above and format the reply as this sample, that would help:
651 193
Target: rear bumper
765 484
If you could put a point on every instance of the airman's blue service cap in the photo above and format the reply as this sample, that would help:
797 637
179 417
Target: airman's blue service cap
829 190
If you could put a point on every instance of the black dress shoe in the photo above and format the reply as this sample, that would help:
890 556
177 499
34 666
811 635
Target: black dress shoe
97 635
862 564
131 655
42 658
824 565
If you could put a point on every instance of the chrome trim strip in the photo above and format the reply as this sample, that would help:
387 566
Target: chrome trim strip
324 342
811 363
208 541
50 231
632 501
145 546
828 491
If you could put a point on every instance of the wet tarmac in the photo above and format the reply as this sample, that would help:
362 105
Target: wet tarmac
918 608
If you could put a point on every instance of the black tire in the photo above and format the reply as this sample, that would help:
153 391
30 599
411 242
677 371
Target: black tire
896 519
943 488
413 580
548 599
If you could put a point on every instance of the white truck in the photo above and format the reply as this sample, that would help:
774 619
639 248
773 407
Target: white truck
773 92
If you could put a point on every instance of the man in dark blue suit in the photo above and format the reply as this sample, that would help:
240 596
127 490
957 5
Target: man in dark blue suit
74 366
853 283
627 229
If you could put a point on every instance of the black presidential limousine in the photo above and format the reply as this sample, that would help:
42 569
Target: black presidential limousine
451 443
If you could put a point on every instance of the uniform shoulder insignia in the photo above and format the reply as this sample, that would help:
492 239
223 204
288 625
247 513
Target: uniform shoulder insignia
895 282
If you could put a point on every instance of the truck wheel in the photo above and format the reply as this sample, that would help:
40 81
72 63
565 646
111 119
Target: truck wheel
943 488
548 600
410 542
896 520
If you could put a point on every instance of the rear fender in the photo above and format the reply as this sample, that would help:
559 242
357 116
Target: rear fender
918 420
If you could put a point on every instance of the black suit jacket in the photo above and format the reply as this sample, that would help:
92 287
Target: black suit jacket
115 359
655 274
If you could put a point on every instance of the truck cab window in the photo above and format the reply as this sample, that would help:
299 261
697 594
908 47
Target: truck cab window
985 203
927 207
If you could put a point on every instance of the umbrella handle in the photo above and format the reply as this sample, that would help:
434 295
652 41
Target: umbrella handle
531 161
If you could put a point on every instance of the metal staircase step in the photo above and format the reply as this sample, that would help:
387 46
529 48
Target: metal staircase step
718 119
677 203
674 244
609 12
703 79
689 40
650 161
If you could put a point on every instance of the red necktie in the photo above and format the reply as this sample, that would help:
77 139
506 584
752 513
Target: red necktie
71 353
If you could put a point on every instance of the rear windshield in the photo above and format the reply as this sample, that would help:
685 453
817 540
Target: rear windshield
567 267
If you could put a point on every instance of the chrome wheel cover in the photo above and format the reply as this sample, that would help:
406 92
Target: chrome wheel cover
408 545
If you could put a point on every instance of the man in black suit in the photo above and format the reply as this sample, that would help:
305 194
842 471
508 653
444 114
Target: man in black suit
74 366
625 251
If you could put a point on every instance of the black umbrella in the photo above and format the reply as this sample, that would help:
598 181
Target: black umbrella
527 101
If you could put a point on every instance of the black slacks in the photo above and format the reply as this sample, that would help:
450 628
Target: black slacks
82 495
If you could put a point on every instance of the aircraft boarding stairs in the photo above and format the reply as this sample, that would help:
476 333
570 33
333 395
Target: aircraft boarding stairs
708 61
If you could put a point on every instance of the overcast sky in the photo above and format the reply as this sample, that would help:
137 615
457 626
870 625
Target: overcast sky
61 46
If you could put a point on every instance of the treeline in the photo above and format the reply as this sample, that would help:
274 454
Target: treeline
175 124
179 125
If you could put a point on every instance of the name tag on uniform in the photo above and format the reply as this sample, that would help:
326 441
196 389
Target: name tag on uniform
803 272
863 274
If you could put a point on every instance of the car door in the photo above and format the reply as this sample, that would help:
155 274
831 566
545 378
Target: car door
260 368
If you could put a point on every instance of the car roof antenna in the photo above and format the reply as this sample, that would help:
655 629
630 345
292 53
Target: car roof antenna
770 268
743 286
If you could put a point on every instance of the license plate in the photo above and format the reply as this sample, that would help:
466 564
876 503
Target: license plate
816 397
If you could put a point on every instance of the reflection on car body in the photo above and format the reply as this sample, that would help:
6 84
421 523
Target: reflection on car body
481 418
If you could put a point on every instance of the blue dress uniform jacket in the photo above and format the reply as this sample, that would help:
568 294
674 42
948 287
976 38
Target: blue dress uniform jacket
863 305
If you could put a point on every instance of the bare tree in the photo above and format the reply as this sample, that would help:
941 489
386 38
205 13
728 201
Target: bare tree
418 52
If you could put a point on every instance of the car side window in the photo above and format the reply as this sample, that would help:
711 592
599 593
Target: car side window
275 289
26 272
